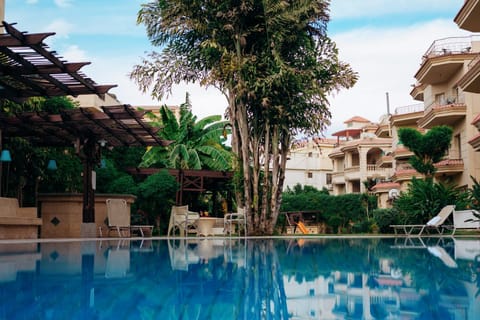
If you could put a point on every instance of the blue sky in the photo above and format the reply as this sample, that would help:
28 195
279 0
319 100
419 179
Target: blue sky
383 40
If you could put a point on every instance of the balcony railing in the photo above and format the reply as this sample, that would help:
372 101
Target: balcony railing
449 101
410 108
453 45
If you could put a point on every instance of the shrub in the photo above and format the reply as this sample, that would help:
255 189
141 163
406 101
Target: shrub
383 218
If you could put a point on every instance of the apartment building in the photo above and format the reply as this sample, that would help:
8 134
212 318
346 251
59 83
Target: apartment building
468 18
361 157
308 163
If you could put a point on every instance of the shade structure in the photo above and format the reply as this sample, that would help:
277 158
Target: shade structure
28 68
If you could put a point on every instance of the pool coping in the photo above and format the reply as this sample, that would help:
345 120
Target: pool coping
353 236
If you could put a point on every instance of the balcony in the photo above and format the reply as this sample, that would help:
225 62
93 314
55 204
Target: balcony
383 131
402 152
444 59
373 171
467 17
405 174
417 91
384 162
444 113
470 81
352 173
475 142
338 178
407 115
449 167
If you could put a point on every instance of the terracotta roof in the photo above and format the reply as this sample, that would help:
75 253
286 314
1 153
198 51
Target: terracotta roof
386 185
356 119
347 132
476 119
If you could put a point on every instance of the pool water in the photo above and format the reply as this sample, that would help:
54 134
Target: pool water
302 278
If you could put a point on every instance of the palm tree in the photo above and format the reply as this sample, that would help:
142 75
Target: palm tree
196 144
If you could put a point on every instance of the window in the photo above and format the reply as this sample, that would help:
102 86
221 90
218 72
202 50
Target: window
329 178
310 175
458 144
440 99
310 154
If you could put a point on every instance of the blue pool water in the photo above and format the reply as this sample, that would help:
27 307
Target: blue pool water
322 278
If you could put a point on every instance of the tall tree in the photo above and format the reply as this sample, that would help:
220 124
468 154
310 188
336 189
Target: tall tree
272 60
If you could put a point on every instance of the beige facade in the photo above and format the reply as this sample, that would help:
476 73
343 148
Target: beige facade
360 157
445 102
93 100
308 164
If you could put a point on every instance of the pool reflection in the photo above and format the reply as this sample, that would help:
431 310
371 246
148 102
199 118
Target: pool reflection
427 278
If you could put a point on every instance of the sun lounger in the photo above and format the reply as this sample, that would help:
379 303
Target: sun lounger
118 214
436 223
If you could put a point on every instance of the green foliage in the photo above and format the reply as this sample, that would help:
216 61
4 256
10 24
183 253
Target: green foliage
156 195
339 212
68 176
428 149
383 218
196 144
424 199
272 60
475 194
51 105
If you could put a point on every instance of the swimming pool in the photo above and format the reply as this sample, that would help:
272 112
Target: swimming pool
295 278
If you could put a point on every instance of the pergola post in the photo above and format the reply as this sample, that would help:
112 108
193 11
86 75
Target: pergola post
90 155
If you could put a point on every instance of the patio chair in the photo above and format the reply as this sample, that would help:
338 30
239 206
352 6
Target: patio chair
436 223
118 215
465 219
235 219
182 220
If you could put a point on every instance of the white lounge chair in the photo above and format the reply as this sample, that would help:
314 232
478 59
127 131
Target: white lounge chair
237 219
465 219
436 223
118 214
182 220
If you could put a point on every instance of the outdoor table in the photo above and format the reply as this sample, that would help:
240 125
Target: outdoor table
205 226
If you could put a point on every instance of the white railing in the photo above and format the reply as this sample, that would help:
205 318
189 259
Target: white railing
410 108
451 100
452 45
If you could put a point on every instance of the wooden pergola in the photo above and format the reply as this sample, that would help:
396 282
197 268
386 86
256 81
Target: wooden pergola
188 180
28 69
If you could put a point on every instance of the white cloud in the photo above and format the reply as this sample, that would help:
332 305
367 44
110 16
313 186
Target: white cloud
62 28
386 61
63 3
341 9
73 53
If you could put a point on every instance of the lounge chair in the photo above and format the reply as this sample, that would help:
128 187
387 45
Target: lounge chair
436 223
118 214
465 219
183 220
237 219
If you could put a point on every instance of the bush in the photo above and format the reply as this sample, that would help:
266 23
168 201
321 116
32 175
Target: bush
383 218
156 196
